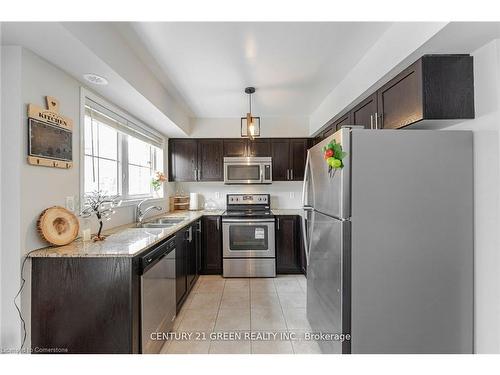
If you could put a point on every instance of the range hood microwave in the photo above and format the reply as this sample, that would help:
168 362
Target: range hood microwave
248 170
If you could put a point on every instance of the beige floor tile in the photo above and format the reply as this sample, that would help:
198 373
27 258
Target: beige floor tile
188 347
272 347
287 285
198 321
205 301
230 347
262 285
235 299
237 285
267 319
264 300
292 300
296 318
233 320
211 286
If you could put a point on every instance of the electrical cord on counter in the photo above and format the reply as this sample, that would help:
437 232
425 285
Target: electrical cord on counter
23 281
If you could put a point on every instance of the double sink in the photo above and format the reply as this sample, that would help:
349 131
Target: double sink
165 222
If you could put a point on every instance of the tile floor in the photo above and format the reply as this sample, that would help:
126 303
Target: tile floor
246 307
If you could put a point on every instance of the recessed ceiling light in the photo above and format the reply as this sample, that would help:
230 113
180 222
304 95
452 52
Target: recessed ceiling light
95 79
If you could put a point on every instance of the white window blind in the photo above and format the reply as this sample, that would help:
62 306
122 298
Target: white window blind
120 156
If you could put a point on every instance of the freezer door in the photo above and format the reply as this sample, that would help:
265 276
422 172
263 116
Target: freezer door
330 191
328 280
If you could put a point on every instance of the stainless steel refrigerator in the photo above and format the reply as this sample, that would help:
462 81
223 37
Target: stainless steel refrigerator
389 242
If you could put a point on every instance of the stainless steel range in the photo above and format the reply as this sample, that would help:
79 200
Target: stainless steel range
248 236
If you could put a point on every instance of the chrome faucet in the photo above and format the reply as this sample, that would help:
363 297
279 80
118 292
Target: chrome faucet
139 213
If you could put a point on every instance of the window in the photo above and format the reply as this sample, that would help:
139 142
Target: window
120 157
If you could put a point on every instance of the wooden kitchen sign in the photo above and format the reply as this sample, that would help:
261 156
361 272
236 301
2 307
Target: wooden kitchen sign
50 138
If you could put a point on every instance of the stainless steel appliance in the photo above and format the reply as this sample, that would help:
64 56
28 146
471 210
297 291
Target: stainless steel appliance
248 170
389 242
158 304
248 237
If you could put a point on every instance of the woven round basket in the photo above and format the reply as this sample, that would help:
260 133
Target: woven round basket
58 226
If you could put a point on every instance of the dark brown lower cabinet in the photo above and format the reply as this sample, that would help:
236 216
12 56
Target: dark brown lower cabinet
287 244
186 261
85 305
211 252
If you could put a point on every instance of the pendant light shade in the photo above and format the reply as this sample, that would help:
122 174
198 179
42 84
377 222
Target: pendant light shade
250 125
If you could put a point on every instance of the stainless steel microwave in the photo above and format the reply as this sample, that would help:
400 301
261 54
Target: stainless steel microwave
248 170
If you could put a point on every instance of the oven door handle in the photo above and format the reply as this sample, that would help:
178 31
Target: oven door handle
224 220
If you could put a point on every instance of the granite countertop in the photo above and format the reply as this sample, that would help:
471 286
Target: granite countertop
123 241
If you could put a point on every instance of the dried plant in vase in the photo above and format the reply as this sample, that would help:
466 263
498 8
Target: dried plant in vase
101 205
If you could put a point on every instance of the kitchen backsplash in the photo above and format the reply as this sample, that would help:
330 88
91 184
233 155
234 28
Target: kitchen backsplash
283 194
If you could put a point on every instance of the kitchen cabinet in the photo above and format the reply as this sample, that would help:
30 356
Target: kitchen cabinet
235 147
183 160
287 245
289 158
185 262
259 147
86 305
181 250
365 113
298 155
212 245
196 160
435 87
210 160
280 152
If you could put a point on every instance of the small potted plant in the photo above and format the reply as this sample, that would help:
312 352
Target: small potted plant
102 206
158 179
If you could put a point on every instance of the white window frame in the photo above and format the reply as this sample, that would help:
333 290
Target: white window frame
85 95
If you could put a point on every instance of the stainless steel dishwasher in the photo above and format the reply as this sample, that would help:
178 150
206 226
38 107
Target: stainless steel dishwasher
158 305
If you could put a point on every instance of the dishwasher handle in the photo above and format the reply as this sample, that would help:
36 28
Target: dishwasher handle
154 256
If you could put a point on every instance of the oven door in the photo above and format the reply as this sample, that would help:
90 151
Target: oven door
248 238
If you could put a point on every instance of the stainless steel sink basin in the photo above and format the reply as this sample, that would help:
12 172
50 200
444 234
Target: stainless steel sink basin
165 222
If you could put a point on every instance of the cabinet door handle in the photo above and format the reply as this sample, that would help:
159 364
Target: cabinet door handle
218 225
371 121
195 174
376 120
288 174
199 174
291 174
278 223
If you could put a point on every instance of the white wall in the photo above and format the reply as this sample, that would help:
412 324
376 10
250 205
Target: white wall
486 127
26 189
272 127
395 46
283 194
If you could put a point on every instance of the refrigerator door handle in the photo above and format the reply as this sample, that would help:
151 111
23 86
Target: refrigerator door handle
305 185
304 237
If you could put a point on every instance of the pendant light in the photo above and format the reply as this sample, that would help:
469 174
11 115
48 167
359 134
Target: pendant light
250 125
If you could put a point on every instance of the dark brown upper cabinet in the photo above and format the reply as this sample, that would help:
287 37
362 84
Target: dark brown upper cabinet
435 87
259 147
195 160
183 160
298 155
280 152
365 113
235 147
210 160
289 158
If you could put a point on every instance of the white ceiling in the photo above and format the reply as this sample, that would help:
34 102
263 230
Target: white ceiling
292 65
